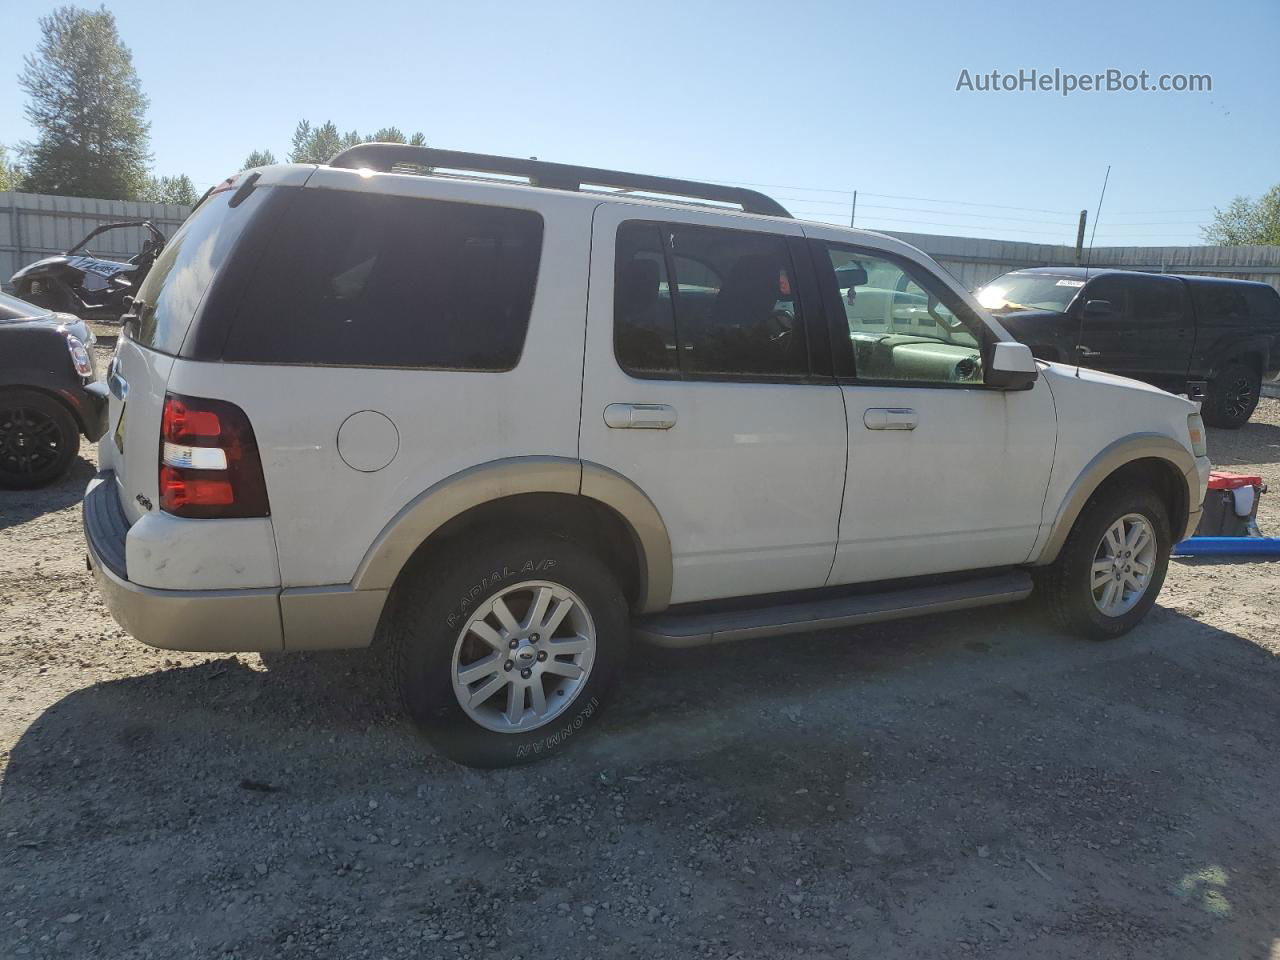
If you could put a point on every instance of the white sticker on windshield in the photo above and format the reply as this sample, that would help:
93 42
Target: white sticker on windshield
1071 283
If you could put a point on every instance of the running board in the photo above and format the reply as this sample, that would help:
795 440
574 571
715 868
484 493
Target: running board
700 629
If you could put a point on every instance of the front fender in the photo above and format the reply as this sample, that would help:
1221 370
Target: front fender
1138 446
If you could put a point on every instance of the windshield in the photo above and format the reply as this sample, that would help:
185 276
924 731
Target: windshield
1029 291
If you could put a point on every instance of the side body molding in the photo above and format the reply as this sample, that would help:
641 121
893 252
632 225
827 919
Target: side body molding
497 479
1138 446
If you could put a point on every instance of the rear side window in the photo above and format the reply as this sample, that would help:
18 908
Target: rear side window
173 291
705 303
1220 303
353 279
1264 303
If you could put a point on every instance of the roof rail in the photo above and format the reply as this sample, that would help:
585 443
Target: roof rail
557 176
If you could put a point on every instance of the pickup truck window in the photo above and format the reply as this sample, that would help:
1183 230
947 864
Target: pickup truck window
1220 303
1156 300
1112 288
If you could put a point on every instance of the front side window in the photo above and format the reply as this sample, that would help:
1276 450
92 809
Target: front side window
1113 289
900 327
355 279
1156 300
701 302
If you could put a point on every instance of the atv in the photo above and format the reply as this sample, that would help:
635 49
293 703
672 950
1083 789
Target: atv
91 287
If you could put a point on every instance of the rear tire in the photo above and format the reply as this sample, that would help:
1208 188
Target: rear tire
1120 541
531 633
1233 396
38 439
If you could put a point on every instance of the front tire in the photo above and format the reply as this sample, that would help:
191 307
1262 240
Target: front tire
1233 396
503 650
38 439
1112 566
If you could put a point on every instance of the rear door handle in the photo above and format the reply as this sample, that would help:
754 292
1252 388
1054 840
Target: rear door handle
640 416
890 418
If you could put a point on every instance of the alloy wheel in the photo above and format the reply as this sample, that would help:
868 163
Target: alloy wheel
523 656
1123 565
29 441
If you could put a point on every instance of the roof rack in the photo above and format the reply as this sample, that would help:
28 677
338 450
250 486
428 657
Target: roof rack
557 176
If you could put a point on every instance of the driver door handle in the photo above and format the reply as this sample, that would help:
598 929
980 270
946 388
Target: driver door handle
890 418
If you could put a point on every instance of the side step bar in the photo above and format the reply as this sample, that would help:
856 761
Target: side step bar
700 629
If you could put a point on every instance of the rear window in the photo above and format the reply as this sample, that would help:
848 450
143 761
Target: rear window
355 279
173 291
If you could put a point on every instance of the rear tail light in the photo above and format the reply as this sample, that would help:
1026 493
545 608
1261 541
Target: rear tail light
209 463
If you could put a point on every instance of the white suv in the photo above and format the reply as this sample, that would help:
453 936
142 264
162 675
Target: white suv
498 428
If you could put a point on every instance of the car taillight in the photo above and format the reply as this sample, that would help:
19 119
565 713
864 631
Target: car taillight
209 463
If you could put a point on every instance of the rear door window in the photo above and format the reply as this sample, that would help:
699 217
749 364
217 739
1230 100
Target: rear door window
355 279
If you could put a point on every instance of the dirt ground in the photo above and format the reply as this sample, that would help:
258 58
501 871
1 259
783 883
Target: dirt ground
971 785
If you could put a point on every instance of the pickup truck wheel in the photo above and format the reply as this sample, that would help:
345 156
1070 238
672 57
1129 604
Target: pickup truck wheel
502 651
1233 395
38 439
1112 566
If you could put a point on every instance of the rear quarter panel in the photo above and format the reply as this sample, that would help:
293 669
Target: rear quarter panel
326 514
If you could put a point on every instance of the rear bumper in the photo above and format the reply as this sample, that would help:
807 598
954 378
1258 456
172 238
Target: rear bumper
207 620
255 620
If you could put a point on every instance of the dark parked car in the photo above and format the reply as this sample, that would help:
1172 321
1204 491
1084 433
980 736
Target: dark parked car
1167 330
48 392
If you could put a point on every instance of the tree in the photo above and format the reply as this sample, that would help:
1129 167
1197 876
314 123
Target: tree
259 158
10 173
319 144
88 108
1247 221
177 189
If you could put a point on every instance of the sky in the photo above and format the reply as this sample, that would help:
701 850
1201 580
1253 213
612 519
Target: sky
813 100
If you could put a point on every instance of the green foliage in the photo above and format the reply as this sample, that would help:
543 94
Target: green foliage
319 144
11 176
87 105
177 189
1247 221
259 158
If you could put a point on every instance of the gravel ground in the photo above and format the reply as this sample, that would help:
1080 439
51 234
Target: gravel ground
959 786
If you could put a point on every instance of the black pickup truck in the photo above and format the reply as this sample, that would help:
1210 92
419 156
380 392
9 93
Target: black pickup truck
1168 330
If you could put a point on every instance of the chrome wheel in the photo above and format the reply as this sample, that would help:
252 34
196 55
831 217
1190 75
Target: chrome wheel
523 656
1123 565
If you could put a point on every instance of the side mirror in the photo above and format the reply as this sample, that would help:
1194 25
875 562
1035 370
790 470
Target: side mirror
1099 308
1012 367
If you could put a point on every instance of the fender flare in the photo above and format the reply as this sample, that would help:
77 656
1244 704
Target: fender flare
1138 446
488 482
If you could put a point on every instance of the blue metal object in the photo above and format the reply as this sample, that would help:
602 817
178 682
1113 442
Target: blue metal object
1228 547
